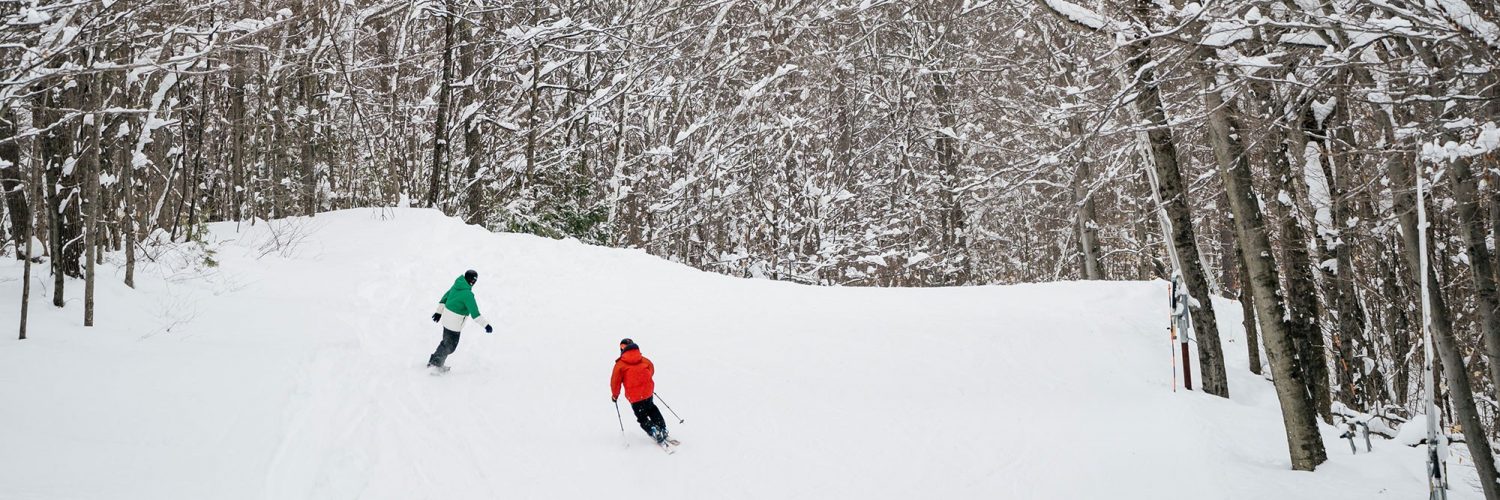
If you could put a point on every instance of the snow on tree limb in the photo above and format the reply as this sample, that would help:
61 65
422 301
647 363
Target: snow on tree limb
1225 33
1459 12
1078 14
1485 141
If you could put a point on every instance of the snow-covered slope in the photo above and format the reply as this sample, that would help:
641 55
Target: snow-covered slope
295 370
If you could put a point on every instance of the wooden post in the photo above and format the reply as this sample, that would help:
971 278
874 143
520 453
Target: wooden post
1187 366
1177 317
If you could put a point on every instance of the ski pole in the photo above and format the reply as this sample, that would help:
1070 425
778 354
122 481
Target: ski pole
622 419
669 408
622 425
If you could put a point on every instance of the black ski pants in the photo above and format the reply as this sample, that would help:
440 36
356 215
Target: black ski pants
648 416
446 347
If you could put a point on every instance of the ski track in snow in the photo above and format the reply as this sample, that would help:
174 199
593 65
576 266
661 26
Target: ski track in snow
302 376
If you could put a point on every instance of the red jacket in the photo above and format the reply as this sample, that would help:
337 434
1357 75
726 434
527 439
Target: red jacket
633 371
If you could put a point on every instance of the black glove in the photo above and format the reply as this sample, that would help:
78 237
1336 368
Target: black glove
437 317
615 399
489 329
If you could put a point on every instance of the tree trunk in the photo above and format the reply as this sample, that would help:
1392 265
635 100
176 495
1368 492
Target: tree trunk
237 177
1440 320
1297 410
181 165
955 230
193 191
1173 192
440 128
89 202
473 144
1471 229
1399 327
56 151
127 210
1247 306
1148 265
1495 211
34 185
1084 221
308 168
1460 391
14 189
620 229
1300 289
26 288
1344 311
534 96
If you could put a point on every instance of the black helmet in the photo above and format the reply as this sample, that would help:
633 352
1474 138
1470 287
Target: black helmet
626 344
471 276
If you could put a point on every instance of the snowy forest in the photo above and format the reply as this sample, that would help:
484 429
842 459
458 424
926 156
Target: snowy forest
1267 151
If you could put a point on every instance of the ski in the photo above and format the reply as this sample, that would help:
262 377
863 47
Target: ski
438 370
669 446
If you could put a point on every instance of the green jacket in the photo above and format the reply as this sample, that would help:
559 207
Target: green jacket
457 305
460 299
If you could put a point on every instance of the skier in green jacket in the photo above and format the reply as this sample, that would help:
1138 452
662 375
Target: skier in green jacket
455 306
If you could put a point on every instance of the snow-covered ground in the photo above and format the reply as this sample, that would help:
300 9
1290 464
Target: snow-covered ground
294 369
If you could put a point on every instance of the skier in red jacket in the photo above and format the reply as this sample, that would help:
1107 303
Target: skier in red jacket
633 372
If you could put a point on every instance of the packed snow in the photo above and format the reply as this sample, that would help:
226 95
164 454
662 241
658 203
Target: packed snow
285 360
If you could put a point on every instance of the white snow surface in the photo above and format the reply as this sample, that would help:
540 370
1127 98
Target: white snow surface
296 371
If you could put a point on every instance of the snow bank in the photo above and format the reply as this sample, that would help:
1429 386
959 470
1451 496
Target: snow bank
292 367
